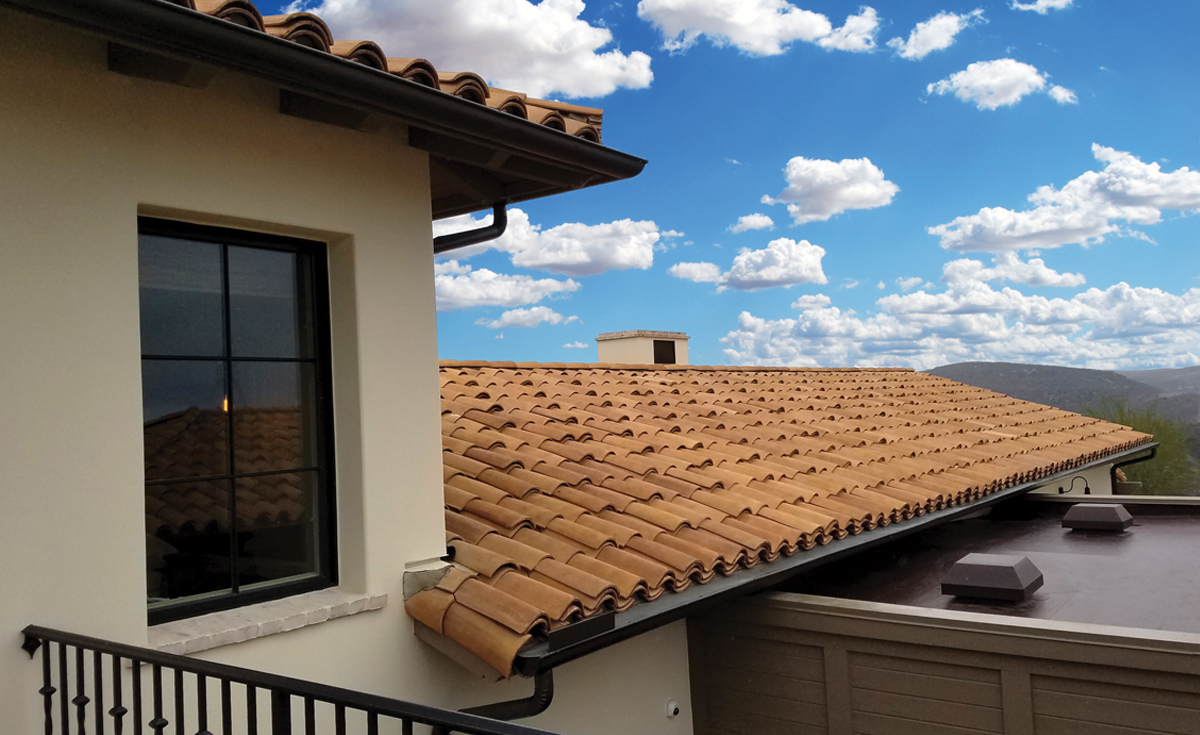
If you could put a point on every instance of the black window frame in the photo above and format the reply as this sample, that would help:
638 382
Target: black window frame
324 499
664 352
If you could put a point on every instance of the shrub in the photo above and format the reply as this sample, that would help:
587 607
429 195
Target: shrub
1172 471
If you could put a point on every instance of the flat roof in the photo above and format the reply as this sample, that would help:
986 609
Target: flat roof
1147 577
641 333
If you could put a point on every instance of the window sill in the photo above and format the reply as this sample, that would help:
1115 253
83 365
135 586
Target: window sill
258 621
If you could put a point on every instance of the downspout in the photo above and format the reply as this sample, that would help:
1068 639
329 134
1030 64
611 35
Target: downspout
1112 471
516 709
456 240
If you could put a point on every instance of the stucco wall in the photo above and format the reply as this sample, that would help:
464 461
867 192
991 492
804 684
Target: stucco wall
637 351
1097 479
83 152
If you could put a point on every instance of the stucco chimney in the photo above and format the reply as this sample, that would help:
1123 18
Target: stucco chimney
643 347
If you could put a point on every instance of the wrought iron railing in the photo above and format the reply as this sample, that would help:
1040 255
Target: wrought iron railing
95 686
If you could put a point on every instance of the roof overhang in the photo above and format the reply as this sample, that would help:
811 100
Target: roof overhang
597 632
479 155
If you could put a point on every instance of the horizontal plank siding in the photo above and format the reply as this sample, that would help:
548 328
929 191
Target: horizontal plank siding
866 723
784 687
776 708
733 722
924 710
1046 725
1132 707
929 680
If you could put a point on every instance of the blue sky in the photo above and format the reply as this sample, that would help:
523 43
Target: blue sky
917 183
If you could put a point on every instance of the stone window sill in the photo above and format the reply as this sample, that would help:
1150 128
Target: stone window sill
260 620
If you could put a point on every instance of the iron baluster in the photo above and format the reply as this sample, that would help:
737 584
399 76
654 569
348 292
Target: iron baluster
137 697
98 690
202 705
81 699
251 709
406 727
281 713
47 691
372 723
226 710
179 702
64 685
158 724
339 719
310 717
118 710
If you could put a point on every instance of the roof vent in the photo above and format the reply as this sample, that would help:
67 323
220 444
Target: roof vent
643 347
1097 517
993 577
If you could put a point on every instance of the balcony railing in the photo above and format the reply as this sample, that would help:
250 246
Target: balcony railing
96 686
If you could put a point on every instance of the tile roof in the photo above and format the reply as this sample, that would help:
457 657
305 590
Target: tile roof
309 30
573 489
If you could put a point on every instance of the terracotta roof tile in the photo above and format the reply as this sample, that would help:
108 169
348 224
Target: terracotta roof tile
579 488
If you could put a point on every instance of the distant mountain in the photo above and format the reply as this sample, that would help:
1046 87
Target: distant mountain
1169 381
1071 389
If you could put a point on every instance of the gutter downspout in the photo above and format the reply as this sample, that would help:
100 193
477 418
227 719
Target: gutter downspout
1112 471
516 709
456 240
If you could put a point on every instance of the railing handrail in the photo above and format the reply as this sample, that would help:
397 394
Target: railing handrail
386 706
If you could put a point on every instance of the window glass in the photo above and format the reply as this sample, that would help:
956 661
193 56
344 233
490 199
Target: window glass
273 423
182 305
238 475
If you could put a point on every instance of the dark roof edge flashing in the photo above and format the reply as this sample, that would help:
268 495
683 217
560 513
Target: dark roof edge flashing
540 655
174 31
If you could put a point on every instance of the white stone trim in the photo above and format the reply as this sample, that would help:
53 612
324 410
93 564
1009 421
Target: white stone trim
256 621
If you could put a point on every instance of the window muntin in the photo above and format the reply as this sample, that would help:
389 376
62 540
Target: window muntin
236 404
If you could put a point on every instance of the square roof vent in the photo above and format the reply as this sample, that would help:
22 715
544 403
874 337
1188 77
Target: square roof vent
1097 517
992 577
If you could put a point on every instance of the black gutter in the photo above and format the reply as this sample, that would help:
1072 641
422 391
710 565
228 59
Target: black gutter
455 240
170 30
1112 473
516 709
546 654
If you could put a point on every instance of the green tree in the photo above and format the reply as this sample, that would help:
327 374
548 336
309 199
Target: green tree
1172 471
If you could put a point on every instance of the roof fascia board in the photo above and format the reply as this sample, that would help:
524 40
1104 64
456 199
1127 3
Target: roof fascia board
539 656
171 30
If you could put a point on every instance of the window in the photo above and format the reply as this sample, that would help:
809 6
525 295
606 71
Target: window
237 411
664 352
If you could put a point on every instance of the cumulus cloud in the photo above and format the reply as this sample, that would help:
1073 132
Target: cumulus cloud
576 346
783 262
1119 327
538 48
1084 211
818 189
756 221
935 34
908 284
1042 6
458 286
759 27
571 249
1008 267
814 301
992 84
530 317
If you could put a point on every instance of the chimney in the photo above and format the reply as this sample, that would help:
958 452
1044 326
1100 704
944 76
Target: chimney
643 347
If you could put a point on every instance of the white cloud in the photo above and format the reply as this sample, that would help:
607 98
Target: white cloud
698 272
935 34
1008 267
1042 6
881 285
814 301
1118 327
818 189
576 345
756 221
992 84
849 283
783 262
908 284
856 34
1063 96
458 286
759 27
571 249
530 317
540 49
1084 211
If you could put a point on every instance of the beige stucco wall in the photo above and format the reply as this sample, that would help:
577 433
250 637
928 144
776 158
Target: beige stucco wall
1098 479
83 152
636 351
